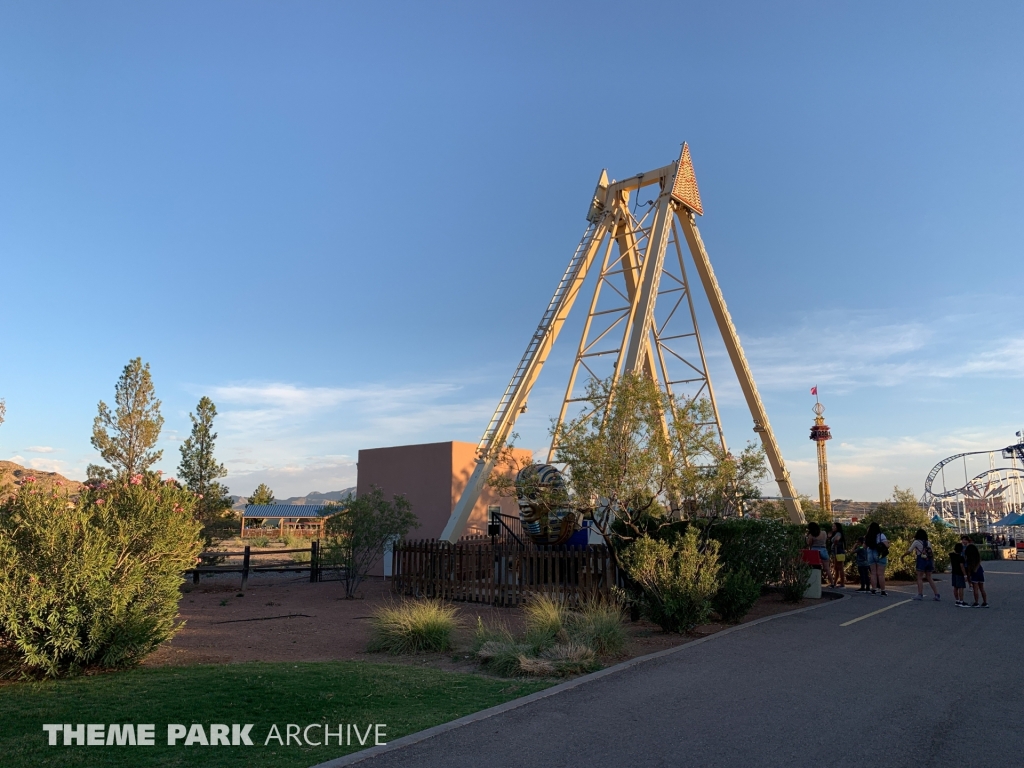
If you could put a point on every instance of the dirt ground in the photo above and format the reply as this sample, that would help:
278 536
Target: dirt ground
285 618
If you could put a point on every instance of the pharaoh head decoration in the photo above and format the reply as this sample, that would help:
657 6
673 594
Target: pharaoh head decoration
543 505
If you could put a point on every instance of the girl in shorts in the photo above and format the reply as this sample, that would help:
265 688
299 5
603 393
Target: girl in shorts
837 547
878 557
959 574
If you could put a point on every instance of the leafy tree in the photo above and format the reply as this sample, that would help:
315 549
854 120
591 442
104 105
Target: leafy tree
634 470
198 468
125 437
3 410
92 582
360 532
262 495
900 510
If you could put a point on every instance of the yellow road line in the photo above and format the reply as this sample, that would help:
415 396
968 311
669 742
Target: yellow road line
873 613
1008 573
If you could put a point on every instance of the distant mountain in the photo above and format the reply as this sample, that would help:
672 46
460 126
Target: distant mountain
15 475
851 508
314 497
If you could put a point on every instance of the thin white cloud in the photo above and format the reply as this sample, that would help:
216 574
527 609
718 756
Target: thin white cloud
305 437
40 449
868 350
280 396
48 465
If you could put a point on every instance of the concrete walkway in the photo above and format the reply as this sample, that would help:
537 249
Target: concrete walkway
922 684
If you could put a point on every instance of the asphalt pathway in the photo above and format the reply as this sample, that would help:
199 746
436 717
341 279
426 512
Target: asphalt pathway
922 684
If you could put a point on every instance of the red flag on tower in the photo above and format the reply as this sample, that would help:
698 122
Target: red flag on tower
814 391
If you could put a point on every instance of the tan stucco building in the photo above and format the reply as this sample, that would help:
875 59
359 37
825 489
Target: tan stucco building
431 476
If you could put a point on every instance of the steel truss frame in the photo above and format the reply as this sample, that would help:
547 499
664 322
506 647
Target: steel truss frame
647 341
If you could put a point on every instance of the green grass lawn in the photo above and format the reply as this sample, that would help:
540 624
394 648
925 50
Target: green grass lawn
407 699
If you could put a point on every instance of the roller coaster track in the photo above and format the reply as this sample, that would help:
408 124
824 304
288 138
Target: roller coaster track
1012 451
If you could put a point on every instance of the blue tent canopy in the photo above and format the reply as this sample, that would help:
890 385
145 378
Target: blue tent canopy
1011 519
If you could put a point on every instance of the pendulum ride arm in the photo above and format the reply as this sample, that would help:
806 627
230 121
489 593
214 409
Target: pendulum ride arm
513 402
739 363
636 347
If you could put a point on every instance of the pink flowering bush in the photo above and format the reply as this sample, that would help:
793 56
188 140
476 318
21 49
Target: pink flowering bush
92 583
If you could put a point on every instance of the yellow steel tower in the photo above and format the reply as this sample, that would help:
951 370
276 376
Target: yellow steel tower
819 434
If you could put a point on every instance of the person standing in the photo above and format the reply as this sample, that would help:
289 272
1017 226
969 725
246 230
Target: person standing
837 545
878 557
958 569
924 563
860 554
975 573
817 540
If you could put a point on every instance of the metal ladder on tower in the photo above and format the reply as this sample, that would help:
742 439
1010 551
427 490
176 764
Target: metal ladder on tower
513 401
491 438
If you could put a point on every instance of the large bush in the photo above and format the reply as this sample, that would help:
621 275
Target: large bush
736 596
761 548
672 582
92 582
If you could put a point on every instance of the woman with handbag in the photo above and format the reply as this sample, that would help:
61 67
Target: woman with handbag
878 557
837 545
924 563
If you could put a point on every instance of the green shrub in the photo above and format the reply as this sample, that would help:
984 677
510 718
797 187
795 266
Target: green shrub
259 542
672 583
297 542
598 626
92 583
795 577
412 626
902 565
736 596
759 547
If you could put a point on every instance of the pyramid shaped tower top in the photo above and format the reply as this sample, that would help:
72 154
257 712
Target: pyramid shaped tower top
684 190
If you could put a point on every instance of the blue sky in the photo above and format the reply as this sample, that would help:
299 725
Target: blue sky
342 222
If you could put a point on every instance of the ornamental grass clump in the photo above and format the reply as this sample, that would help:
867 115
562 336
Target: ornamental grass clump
560 660
413 626
557 642
598 625
545 622
92 583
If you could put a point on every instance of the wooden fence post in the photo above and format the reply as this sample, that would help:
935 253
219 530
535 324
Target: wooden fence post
245 567
314 562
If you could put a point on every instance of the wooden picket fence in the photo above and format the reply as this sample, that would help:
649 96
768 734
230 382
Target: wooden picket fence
495 574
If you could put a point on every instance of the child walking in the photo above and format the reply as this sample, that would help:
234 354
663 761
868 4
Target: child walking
860 555
958 568
975 573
